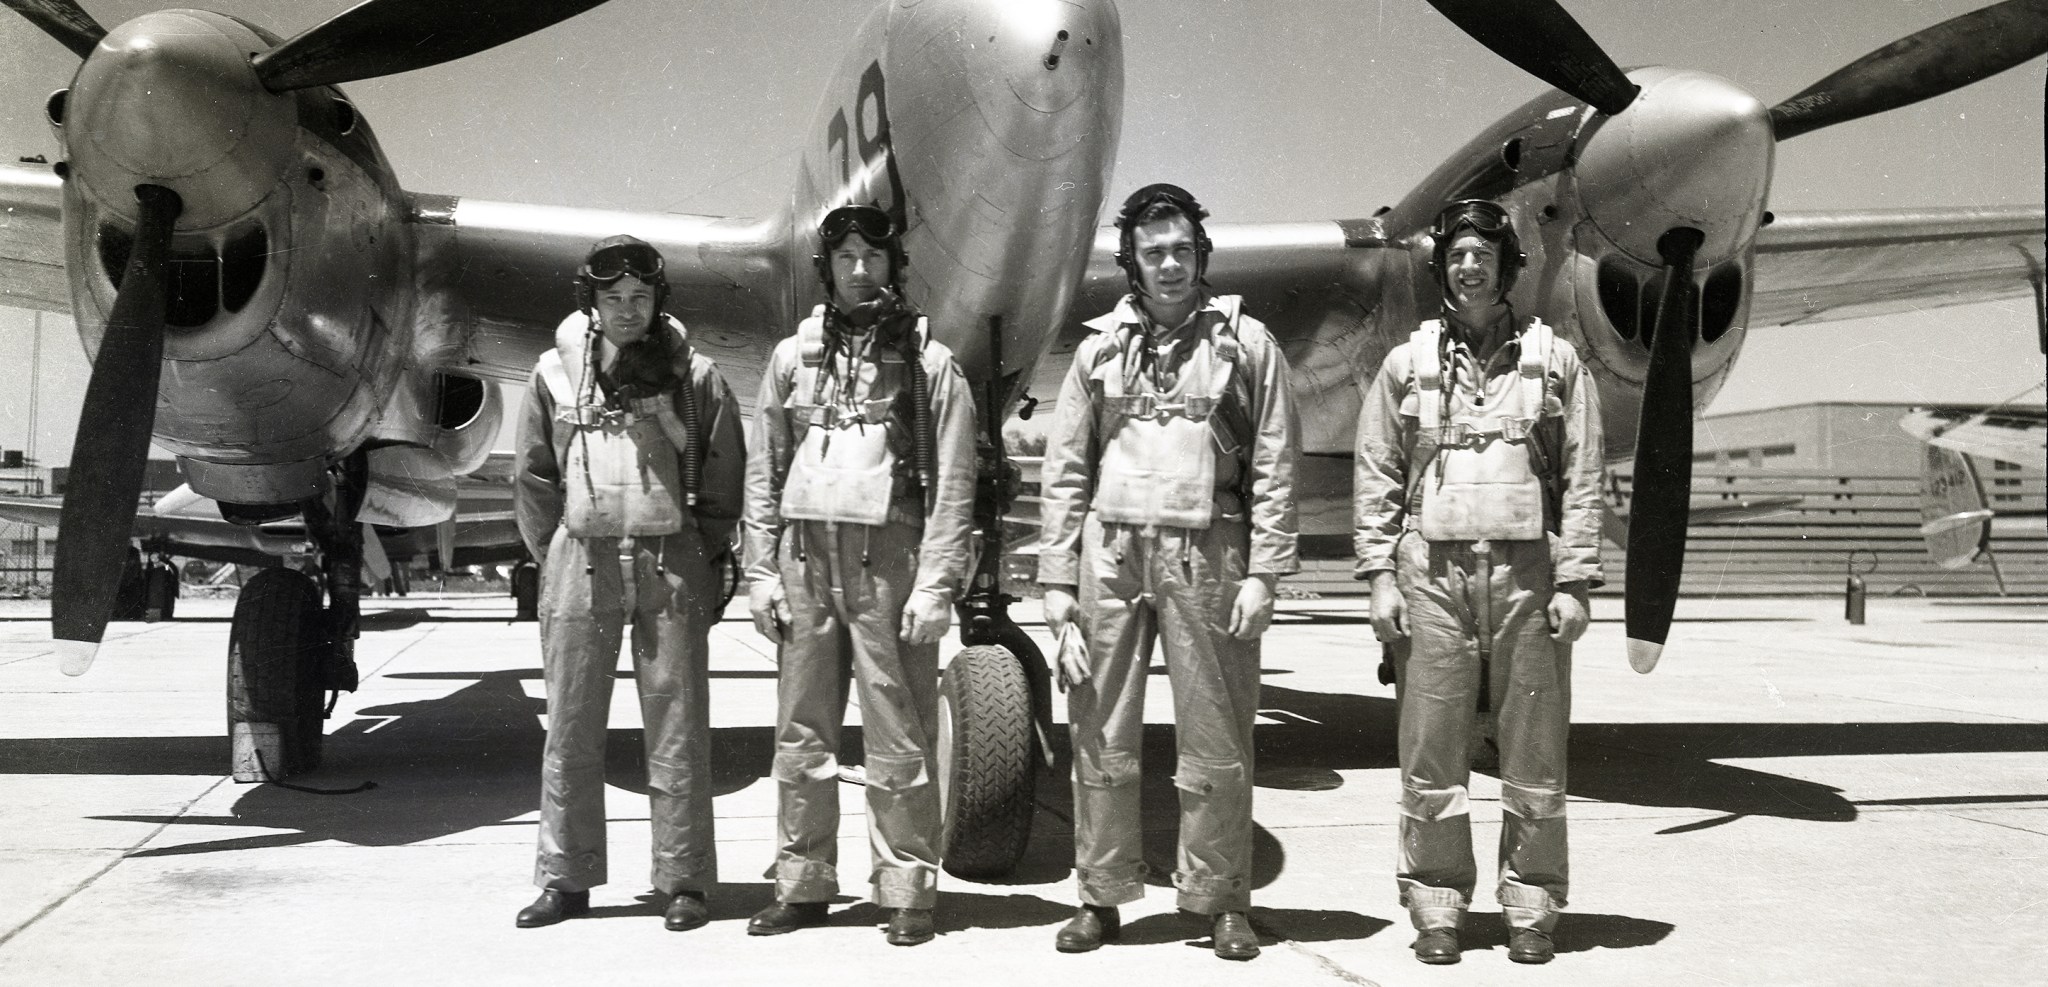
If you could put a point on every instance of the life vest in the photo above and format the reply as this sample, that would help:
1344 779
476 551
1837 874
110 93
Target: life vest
1160 448
622 476
1479 477
845 468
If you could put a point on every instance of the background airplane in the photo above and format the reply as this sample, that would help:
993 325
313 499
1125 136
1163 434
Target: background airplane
991 129
1955 519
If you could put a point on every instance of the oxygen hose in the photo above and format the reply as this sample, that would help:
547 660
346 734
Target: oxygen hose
693 447
925 443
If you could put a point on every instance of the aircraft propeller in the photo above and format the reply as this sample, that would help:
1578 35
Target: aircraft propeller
63 20
1928 63
112 445
1662 496
385 37
1538 37
1542 39
371 39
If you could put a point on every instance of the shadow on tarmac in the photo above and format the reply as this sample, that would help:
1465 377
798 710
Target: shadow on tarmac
442 766
469 759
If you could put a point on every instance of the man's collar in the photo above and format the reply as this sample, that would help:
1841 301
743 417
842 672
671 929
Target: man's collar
1128 312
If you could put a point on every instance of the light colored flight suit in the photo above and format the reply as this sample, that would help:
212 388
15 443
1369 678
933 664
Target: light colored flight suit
1425 496
835 515
1164 488
600 503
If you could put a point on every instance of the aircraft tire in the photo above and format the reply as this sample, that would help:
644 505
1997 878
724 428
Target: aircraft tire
987 771
274 656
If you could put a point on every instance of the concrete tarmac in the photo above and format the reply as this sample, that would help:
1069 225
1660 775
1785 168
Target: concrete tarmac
1789 799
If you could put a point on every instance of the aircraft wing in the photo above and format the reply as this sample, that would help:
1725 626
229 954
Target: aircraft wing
32 240
1815 267
184 529
2015 435
502 274
211 539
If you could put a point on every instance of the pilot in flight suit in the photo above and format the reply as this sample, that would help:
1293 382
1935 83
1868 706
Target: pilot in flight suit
858 513
627 491
1168 511
1477 520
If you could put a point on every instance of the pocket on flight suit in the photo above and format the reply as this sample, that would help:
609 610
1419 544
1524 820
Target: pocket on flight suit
1105 551
897 772
798 767
1218 569
1209 776
1106 768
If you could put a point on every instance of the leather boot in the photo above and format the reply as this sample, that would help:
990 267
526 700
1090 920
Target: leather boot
685 911
1530 946
910 926
1232 933
1091 926
1437 946
553 906
786 916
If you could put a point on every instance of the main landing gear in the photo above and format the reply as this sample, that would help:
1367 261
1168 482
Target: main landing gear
286 650
995 699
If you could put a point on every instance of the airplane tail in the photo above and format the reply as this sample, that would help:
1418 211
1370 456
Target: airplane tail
1954 523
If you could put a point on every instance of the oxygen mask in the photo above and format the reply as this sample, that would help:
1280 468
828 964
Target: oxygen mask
646 366
888 314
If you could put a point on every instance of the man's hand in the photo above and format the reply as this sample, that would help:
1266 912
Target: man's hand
1253 609
1568 612
925 618
770 608
1071 659
1060 608
1389 610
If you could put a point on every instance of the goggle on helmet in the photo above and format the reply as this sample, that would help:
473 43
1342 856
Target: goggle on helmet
874 225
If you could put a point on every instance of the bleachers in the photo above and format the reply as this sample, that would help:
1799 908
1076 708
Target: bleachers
1807 548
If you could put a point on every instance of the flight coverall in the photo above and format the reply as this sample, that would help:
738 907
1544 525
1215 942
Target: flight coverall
835 516
1168 480
600 503
1481 603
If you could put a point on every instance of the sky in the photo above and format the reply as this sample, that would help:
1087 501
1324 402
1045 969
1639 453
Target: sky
1308 109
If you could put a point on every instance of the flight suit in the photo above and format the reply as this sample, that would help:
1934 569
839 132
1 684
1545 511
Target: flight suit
1453 456
1168 479
835 515
601 505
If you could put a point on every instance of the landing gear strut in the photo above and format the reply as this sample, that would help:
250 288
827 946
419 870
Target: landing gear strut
995 700
286 651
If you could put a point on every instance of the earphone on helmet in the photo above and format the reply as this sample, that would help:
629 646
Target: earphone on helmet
874 225
1144 199
1492 223
613 258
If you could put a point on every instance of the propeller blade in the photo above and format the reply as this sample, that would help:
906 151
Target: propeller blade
1947 56
108 455
64 20
384 37
1661 503
1540 38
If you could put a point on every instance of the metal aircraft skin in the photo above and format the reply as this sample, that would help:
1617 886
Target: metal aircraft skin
335 305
